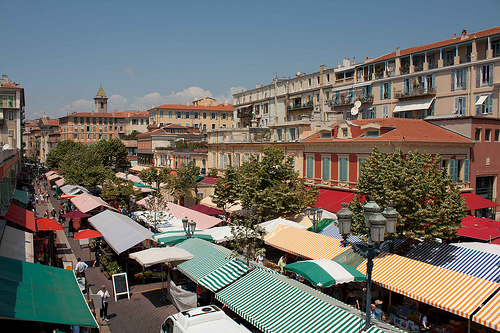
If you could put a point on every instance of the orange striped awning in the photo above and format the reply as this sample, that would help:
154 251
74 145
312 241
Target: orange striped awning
451 291
304 243
489 315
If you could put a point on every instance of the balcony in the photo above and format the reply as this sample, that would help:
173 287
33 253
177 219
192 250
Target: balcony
342 101
244 113
415 92
365 99
308 105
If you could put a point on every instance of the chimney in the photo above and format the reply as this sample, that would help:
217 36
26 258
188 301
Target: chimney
322 68
153 106
454 36
398 51
226 103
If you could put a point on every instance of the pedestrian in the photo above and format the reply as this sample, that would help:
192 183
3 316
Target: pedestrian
378 309
259 259
80 268
372 310
46 214
97 254
103 313
352 299
282 263
423 325
41 199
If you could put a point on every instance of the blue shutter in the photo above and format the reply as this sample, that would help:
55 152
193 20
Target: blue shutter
464 105
454 170
310 166
374 111
464 78
478 107
381 91
490 78
326 168
466 170
343 169
490 103
389 92
452 80
478 76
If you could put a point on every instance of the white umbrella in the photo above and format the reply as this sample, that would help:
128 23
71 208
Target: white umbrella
158 255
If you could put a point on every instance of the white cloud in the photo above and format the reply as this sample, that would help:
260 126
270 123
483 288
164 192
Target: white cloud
182 97
80 105
229 95
117 102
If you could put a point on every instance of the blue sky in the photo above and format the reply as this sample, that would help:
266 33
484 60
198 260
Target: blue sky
146 52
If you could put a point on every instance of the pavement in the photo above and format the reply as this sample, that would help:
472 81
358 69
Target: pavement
143 312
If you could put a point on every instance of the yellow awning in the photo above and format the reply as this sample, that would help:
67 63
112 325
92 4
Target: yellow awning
304 243
448 290
489 315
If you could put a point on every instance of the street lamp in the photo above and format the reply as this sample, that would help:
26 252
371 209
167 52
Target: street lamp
315 214
189 227
378 224
133 199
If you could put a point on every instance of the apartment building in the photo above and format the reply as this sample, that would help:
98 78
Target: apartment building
460 75
89 127
11 113
201 115
47 137
29 142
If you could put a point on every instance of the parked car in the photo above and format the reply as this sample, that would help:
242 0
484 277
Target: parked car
204 319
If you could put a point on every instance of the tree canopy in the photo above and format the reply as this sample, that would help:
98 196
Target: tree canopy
429 203
185 181
112 153
247 237
132 136
83 167
118 189
58 154
269 187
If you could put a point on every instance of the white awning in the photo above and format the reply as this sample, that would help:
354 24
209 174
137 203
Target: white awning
419 104
119 231
17 244
158 255
481 99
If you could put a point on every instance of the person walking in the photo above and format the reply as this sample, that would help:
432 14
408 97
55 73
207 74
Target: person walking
103 313
80 268
378 309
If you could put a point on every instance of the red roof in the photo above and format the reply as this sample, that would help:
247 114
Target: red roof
21 216
442 43
220 107
474 201
208 180
206 210
484 234
331 200
398 129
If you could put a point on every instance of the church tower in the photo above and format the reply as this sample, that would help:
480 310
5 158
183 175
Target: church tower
101 102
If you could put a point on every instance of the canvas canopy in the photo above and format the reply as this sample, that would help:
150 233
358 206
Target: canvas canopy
177 236
34 292
87 202
73 189
220 234
270 226
17 244
119 231
158 255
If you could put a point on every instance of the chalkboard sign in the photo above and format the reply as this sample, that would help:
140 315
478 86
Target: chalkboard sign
120 284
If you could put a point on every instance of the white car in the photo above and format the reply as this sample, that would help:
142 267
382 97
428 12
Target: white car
205 319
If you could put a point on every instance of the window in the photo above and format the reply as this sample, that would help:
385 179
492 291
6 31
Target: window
429 81
484 75
278 134
292 134
161 113
360 164
459 79
454 170
214 160
487 134
196 115
466 170
385 111
213 115
460 105
327 77
497 135
484 104
213 126
325 168
310 166
371 113
343 172
204 115
407 84
11 115
178 114
223 116
204 127
170 114
385 90
477 134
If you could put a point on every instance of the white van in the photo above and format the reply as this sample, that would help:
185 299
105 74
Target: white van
205 319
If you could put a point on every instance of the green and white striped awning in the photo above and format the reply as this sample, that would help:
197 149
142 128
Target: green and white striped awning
224 275
207 258
274 306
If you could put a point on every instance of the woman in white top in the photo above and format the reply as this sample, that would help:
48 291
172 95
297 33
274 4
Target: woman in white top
104 303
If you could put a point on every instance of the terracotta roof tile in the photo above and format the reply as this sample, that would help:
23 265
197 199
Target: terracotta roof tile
221 107
399 129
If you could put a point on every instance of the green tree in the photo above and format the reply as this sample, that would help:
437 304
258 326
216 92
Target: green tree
429 203
157 202
112 153
118 189
213 173
185 181
227 189
132 136
58 154
83 167
247 237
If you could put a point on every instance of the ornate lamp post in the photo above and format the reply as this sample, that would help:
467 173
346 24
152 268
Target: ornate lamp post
314 214
189 227
378 224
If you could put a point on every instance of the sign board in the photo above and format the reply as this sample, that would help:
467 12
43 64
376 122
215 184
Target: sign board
120 284
97 301
68 265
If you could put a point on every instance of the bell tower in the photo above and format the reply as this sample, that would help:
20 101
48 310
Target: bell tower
101 101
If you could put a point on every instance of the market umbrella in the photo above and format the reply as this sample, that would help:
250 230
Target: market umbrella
75 215
324 273
177 236
87 233
48 224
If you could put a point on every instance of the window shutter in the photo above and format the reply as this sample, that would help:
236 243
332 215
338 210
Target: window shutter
490 78
374 110
453 170
452 80
455 109
464 78
464 105
310 165
466 170
326 168
490 103
275 135
478 76
343 169
381 91
389 92
287 134
478 107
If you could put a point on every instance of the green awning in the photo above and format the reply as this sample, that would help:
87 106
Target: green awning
321 225
272 305
199 178
208 257
224 275
22 196
175 237
41 293
139 185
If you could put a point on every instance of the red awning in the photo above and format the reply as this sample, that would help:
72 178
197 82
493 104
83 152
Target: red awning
484 234
478 222
474 201
332 200
48 224
21 216
206 210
